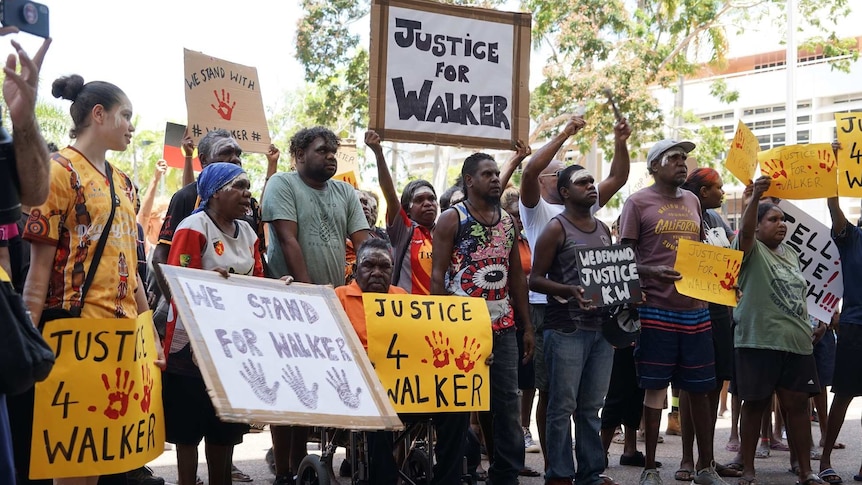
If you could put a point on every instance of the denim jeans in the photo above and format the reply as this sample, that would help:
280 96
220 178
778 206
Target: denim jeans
579 371
508 457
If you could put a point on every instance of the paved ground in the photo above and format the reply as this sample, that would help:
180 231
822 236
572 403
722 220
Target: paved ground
773 470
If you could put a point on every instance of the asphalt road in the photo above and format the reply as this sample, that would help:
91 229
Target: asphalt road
249 457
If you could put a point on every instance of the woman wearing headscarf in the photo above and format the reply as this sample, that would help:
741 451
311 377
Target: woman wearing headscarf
215 237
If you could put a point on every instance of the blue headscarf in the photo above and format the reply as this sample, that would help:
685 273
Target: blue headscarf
214 177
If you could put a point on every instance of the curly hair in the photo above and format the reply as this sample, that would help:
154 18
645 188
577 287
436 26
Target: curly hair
304 137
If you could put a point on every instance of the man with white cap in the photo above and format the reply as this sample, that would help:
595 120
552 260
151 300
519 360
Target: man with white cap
676 337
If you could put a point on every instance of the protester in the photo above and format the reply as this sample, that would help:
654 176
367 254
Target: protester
214 237
539 202
773 338
475 255
310 217
675 343
578 359
101 116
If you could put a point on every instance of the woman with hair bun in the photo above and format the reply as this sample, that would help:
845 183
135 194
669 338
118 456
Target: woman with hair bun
64 232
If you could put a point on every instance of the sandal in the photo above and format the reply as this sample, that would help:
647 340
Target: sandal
746 481
638 460
829 476
779 446
683 475
761 452
812 479
528 472
606 480
732 447
857 478
731 470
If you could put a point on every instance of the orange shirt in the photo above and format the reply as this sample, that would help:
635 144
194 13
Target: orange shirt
350 297
526 255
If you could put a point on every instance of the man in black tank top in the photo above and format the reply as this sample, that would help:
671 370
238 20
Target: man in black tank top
578 359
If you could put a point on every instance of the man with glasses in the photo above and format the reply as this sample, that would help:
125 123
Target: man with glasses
540 202
676 333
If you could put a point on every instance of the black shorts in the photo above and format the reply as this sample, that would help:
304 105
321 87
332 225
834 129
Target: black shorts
759 372
624 401
847 380
824 356
722 341
526 372
190 415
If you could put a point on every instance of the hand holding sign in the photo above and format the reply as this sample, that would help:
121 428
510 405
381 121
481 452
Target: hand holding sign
575 124
709 273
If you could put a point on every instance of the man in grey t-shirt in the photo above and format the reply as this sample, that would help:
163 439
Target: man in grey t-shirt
310 219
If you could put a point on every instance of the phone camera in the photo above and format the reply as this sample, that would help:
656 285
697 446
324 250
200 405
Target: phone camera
30 13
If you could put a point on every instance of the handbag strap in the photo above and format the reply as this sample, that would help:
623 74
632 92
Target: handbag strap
100 247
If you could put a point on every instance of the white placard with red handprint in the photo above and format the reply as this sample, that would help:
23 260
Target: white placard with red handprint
222 94
430 351
818 258
100 410
273 353
800 171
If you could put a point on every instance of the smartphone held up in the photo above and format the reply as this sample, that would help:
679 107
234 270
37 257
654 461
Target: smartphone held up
30 17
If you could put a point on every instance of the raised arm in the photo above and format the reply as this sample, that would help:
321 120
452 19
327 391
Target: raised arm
619 174
150 196
522 151
443 240
188 163
839 220
31 152
272 156
384 177
749 214
530 190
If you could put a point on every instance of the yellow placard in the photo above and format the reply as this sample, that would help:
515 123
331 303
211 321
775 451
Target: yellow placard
709 273
742 158
800 171
222 94
429 351
849 128
349 177
100 411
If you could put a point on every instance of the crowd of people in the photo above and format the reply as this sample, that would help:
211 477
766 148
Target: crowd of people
514 247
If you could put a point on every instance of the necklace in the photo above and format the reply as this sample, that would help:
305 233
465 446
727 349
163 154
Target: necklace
482 220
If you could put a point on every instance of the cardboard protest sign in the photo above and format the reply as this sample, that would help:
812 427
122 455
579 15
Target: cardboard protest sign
849 128
348 165
173 150
100 409
609 275
222 94
819 259
429 351
280 354
800 171
709 273
742 157
449 75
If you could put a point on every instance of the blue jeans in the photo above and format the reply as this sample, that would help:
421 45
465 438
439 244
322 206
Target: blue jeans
508 455
579 371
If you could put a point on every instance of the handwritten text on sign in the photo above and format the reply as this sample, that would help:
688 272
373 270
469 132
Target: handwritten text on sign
819 258
709 273
100 410
742 156
849 127
429 351
279 354
609 275
222 94
800 171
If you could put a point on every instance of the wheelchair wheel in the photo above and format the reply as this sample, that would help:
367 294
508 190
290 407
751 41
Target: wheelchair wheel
417 467
312 472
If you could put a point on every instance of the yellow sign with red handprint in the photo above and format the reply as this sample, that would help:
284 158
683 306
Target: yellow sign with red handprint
100 411
800 171
849 129
742 156
430 352
709 273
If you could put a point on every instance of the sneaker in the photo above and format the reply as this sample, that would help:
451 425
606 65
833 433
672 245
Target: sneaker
708 476
530 446
143 476
237 475
673 424
650 477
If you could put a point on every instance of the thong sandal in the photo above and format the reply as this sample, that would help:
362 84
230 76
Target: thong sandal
731 470
828 475
812 479
683 475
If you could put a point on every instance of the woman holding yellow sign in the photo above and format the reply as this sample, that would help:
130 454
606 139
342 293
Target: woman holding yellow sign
774 351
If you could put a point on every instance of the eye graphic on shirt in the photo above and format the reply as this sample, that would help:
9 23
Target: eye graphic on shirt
219 247
487 279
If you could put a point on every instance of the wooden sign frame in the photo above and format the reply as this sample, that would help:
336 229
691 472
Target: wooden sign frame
519 97
386 417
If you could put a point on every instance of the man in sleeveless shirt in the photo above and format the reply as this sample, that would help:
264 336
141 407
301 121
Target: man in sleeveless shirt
474 254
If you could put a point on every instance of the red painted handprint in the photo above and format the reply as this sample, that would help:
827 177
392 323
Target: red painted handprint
729 280
827 162
440 348
147 377
225 107
118 397
777 168
469 356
